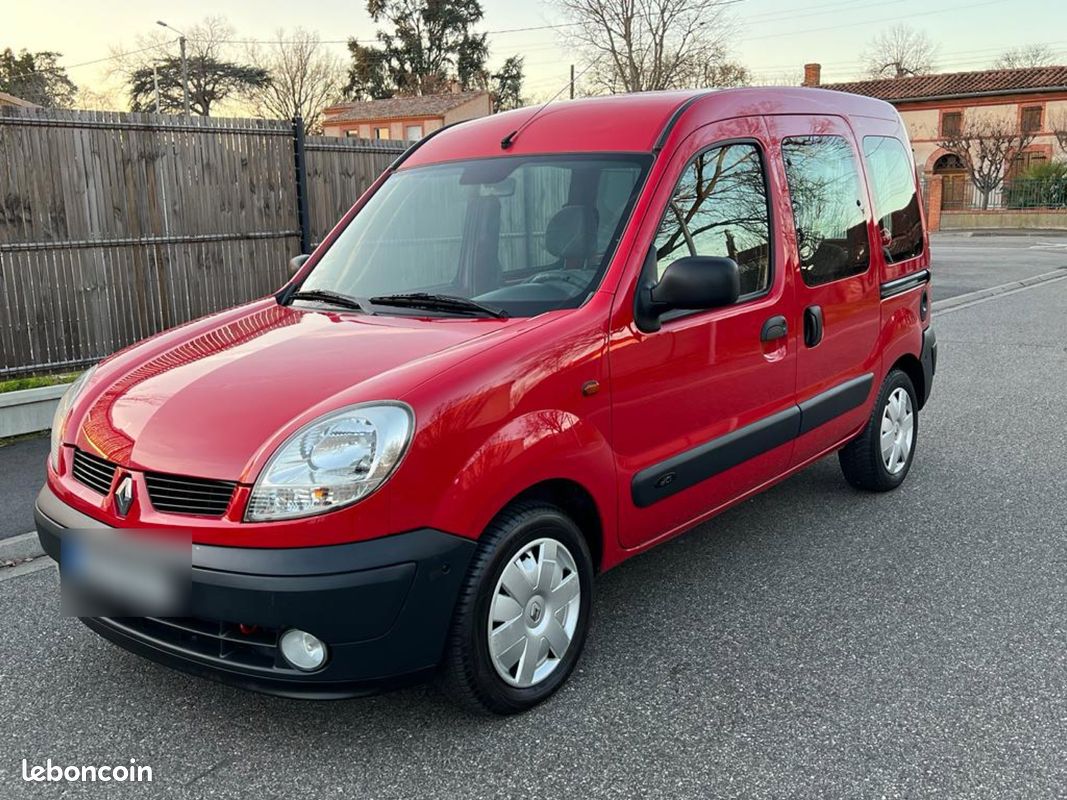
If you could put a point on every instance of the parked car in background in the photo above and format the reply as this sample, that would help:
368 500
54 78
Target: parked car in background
541 343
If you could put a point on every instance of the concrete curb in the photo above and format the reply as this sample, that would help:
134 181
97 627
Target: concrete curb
29 410
21 547
1031 232
970 298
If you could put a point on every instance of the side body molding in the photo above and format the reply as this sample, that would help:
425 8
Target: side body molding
704 461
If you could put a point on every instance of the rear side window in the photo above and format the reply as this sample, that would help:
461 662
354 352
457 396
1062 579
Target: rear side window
719 208
895 201
827 198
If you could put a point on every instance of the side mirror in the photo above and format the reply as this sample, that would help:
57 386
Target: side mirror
691 283
296 262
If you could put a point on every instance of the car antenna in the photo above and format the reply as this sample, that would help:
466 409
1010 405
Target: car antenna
507 141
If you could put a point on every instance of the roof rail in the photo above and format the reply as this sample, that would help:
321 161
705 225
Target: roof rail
663 134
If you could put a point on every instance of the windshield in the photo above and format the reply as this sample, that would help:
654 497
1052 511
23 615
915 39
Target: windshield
518 235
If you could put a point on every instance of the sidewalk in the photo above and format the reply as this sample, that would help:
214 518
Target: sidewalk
978 232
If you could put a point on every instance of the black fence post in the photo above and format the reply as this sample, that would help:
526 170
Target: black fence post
301 185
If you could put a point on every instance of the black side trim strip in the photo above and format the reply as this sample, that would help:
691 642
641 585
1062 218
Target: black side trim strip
693 466
663 134
890 288
689 468
834 402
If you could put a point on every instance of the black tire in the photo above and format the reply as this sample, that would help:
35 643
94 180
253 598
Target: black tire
468 676
861 459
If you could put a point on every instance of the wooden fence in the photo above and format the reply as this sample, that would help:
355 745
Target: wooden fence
116 226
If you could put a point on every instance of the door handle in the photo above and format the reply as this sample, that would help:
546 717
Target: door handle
774 328
812 325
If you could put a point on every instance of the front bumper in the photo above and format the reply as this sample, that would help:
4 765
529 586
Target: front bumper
383 607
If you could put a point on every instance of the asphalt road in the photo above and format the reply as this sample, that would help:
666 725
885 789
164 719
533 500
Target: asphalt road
962 264
22 466
814 642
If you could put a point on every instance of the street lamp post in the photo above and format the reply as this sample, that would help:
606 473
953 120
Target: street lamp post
185 64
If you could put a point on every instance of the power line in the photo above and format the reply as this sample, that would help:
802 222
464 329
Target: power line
968 7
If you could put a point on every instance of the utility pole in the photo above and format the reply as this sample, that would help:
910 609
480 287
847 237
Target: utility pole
572 81
185 75
185 64
155 84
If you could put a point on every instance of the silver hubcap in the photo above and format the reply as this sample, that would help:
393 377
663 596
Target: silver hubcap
534 613
898 431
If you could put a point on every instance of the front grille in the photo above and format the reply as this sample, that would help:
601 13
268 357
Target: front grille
252 647
176 494
96 473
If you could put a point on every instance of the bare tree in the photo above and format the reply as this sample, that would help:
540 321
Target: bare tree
214 78
1031 55
986 146
1058 124
303 77
899 52
646 45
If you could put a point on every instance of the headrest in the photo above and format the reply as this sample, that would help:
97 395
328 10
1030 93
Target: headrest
571 233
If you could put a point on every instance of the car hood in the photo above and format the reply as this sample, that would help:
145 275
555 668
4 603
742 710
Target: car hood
206 399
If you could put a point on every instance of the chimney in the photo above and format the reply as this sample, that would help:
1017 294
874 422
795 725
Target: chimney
812 74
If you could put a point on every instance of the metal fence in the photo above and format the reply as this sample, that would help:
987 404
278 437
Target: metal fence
958 193
115 226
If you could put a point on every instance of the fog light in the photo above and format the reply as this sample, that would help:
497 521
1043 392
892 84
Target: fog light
302 650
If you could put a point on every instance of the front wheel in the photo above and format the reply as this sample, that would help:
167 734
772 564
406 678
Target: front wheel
522 615
879 458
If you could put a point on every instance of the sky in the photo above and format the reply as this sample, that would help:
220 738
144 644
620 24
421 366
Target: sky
774 38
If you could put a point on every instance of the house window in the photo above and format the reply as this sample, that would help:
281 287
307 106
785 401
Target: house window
951 123
1031 119
1024 162
381 133
827 198
413 133
352 134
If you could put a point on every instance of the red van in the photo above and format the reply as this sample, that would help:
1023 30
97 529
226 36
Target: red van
541 343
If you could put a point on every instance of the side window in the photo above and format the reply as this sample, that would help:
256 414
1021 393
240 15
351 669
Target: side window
896 203
827 198
719 208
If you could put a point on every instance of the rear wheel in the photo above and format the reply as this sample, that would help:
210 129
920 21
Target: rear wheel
879 458
522 615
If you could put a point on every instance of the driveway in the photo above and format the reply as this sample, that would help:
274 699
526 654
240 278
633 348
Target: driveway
812 642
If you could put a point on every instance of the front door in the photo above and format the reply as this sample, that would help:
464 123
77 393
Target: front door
837 311
702 408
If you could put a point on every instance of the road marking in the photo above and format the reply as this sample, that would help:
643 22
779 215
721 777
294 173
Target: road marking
982 295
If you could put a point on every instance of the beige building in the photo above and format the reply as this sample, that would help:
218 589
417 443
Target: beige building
404 118
1032 99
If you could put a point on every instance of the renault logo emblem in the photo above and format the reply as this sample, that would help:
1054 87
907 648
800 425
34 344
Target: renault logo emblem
124 495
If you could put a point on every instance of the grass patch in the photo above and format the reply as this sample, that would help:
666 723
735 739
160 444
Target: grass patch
35 382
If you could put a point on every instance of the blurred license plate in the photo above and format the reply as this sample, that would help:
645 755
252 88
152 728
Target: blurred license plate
123 574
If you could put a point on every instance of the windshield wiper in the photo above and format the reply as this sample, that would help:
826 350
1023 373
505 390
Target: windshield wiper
438 302
336 298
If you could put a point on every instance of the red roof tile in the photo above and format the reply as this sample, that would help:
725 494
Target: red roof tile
428 105
950 84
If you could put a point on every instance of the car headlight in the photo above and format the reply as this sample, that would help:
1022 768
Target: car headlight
59 419
332 462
